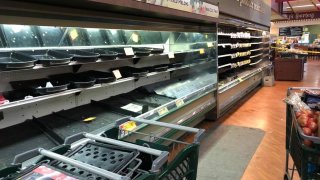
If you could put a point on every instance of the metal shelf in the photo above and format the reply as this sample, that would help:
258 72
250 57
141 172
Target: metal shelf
256 62
18 111
235 82
256 55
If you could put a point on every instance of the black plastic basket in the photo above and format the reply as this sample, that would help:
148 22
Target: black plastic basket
38 86
49 57
16 60
100 77
106 54
81 56
75 80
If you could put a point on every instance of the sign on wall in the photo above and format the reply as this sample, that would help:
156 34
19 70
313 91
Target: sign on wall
291 31
193 6
298 16
257 11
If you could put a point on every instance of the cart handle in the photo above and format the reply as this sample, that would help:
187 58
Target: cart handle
157 163
81 165
301 88
199 132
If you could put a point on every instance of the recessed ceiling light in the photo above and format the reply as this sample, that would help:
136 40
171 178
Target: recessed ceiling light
302 6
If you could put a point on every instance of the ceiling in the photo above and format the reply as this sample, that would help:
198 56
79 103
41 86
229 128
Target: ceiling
298 6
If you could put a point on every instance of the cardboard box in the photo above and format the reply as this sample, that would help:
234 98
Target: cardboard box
268 81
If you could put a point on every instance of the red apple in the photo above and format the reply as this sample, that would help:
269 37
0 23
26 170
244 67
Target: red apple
307 131
302 120
307 143
312 125
313 120
298 113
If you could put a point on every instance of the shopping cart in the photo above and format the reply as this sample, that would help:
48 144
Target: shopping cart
95 157
306 160
183 156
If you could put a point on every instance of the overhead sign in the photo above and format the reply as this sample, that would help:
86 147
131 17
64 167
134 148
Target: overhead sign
300 16
255 5
257 11
192 6
291 31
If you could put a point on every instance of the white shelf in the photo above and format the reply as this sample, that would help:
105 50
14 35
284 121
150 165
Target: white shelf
256 55
256 49
225 65
225 55
256 62
235 82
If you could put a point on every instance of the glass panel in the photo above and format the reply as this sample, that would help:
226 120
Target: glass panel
53 36
96 37
78 37
115 37
143 37
21 36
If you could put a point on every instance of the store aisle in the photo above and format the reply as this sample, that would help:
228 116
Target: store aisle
265 110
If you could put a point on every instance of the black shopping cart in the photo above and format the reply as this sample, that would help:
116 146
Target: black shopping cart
306 160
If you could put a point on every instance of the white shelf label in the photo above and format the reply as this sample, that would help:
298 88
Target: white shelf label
179 102
129 51
171 55
210 44
117 74
163 111
132 107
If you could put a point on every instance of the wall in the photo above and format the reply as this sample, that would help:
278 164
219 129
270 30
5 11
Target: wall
233 8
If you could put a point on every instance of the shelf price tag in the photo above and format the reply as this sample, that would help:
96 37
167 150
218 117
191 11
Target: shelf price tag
163 111
171 55
240 79
202 51
179 102
117 74
210 44
128 51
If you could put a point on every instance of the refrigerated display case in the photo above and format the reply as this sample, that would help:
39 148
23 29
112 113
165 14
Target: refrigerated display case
84 78
243 61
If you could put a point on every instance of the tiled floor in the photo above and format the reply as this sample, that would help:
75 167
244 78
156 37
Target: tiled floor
264 109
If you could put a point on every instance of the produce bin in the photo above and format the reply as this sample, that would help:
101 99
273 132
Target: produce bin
75 80
39 86
286 69
81 56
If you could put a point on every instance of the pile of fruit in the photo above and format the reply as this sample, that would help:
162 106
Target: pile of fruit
308 121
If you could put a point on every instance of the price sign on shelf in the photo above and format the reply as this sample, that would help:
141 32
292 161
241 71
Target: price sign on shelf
210 44
202 51
171 55
129 51
117 74
240 79
163 111
179 102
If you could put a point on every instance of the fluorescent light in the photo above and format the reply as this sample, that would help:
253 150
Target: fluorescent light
302 6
